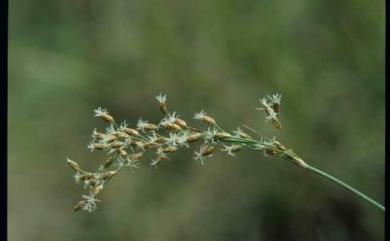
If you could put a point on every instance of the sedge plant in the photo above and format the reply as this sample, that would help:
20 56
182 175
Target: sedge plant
126 146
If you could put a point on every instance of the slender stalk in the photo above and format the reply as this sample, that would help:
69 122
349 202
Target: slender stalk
346 186
304 165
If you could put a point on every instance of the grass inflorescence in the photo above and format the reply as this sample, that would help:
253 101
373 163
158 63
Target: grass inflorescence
126 146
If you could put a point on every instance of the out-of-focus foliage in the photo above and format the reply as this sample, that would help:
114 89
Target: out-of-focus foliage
325 57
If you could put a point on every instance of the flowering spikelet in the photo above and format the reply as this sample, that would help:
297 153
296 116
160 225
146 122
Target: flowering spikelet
181 123
96 146
194 137
170 122
162 99
73 165
205 151
97 135
275 102
102 113
272 109
204 117
145 126
89 204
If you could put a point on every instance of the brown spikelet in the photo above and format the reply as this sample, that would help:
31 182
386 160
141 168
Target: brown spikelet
163 108
208 150
108 163
116 144
138 144
98 146
78 206
97 190
131 132
150 127
98 135
108 175
209 120
136 156
173 127
73 165
276 107
277 124
120 134
181 123
149 145
110 138
107 118
170 149
194 137
161 140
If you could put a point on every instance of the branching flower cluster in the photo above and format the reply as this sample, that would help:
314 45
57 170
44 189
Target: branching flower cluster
126 146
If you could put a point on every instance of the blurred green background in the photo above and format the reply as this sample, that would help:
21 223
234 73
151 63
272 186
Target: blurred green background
325 57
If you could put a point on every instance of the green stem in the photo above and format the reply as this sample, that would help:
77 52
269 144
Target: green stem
304 165
346 186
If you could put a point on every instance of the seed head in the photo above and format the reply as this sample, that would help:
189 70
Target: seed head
125 146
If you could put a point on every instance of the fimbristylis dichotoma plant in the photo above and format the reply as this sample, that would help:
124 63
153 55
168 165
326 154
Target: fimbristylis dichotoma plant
125 146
